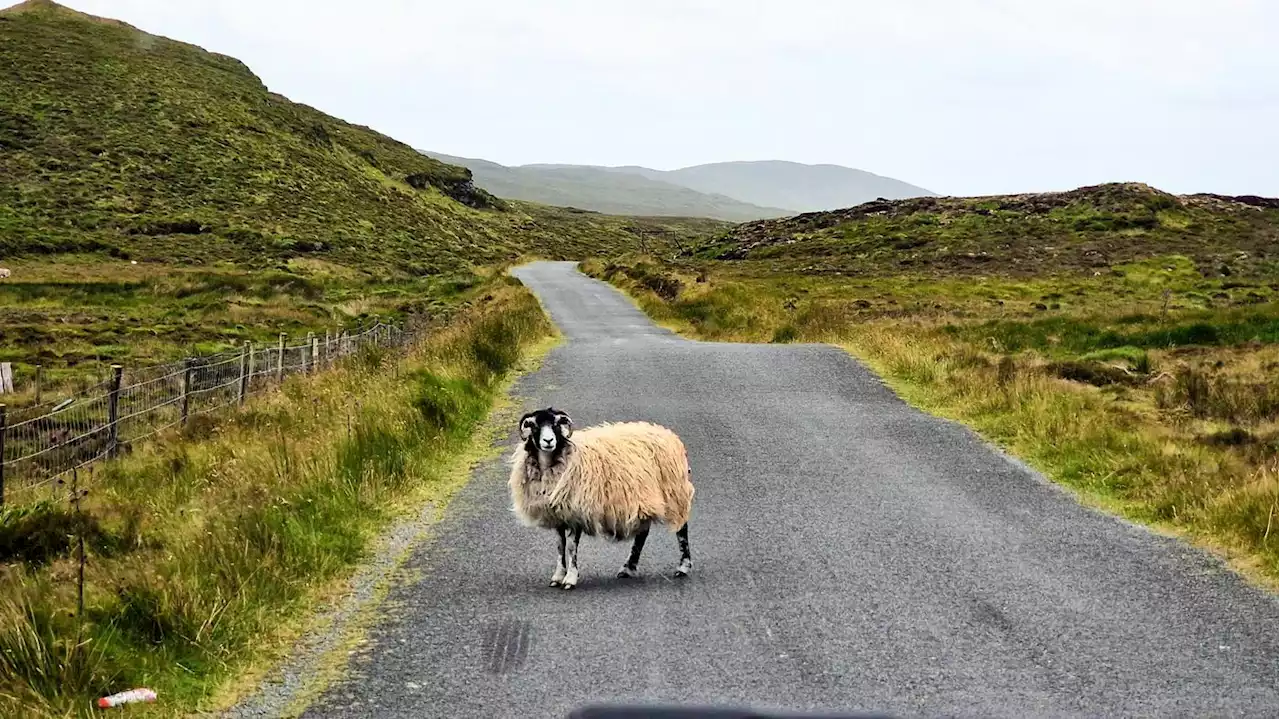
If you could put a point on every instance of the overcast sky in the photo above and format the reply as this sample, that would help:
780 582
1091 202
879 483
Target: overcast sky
958 96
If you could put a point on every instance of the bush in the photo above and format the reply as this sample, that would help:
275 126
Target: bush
1006 371
1208 395
1137 359
784 334
446 404
41 532
495 347
1094 373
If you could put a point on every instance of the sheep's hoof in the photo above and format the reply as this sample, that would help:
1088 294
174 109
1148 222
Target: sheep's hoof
566 586
680 574
554 583
626 573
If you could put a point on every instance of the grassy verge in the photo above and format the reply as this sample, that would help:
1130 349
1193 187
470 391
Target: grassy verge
200 549
1150 390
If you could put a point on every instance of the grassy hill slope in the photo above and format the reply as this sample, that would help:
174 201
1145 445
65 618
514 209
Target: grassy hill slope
247 214
604 190
1084 229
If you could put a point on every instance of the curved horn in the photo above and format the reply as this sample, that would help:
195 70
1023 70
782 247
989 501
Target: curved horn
525 430
565 421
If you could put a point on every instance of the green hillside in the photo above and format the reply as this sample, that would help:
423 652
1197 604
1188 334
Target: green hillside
247 214
1087 229
119 141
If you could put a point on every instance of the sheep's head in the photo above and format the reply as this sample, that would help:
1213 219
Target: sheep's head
545 430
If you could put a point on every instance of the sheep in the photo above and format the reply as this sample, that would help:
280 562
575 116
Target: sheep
613 480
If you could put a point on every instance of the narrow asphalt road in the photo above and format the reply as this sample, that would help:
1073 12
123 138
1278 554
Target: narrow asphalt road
850 553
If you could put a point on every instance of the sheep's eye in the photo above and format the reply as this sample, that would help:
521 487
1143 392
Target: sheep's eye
562 420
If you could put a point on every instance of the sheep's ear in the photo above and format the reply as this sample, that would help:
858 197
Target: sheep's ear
526 427
565 424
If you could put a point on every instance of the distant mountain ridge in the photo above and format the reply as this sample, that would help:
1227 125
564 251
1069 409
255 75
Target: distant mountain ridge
803 188
736 191
602 190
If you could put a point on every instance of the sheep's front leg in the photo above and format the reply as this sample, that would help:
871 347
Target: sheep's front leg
558 577
571 555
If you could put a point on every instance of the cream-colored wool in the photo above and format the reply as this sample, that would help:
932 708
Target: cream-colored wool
608 481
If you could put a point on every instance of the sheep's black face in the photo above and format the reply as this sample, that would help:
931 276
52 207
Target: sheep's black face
545 430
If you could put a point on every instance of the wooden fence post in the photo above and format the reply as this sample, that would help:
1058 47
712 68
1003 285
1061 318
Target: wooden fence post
246 350
4 425
280 360
314 342
113 411
188 365
39 373
328 349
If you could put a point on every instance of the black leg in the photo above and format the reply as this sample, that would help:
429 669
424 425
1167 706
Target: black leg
686 562
558 577
571 560
637 545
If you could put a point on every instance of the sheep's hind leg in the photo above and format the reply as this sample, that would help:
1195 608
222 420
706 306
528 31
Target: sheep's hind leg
637 544
686 562
558 578
571 575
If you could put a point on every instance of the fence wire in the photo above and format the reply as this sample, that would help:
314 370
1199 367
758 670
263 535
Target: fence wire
43 443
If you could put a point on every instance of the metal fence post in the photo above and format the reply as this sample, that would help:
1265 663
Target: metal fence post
188 366
4 424
280 360
246 350
113 411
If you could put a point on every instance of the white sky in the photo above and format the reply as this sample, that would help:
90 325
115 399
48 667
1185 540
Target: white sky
962 97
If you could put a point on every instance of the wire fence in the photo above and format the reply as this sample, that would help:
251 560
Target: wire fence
41 444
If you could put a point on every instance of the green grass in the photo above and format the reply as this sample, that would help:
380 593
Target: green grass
1139 395
204 545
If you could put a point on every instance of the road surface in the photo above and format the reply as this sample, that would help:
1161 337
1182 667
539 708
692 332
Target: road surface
850 553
